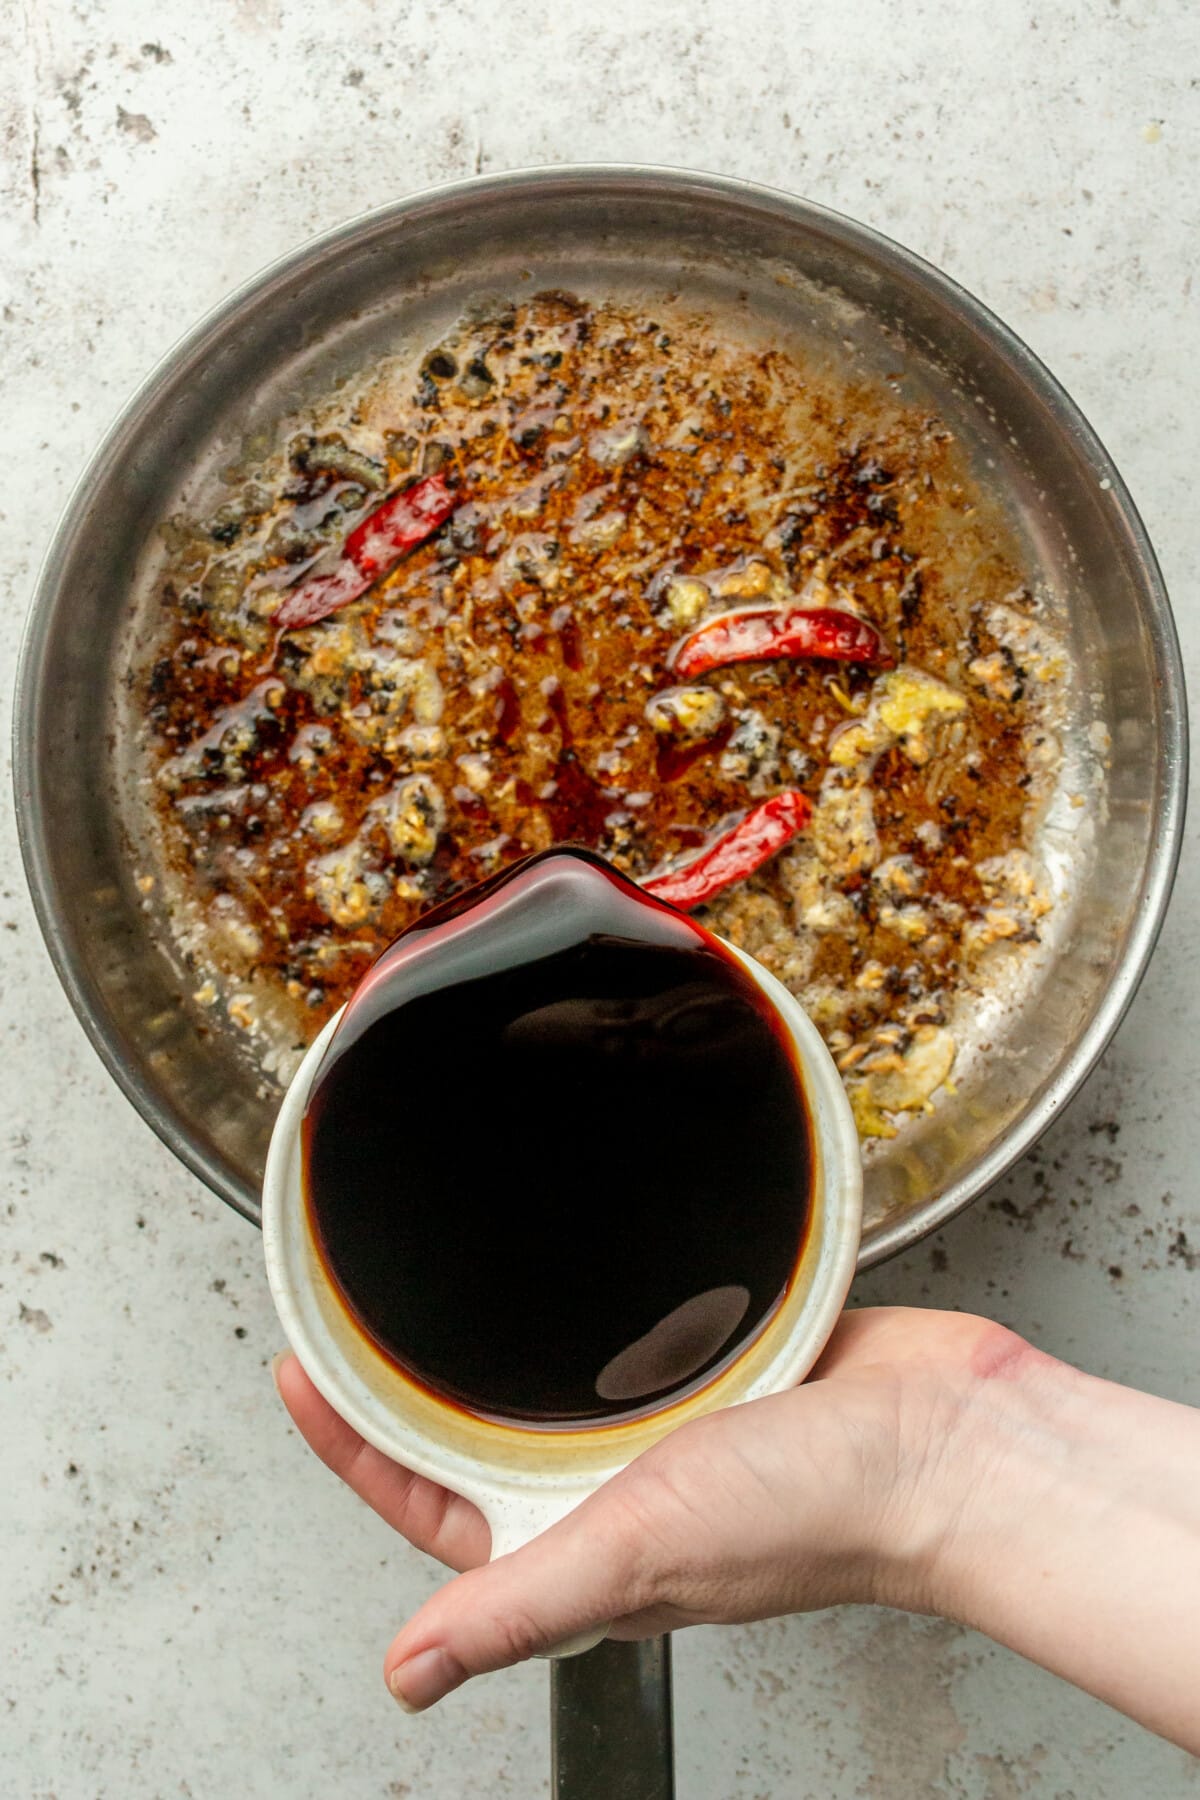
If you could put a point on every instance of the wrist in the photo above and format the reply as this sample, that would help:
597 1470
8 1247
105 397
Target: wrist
981 1452
1056 1512
1008 1478
1068 1528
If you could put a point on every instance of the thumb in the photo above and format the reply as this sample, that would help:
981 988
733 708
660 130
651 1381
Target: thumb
579 1574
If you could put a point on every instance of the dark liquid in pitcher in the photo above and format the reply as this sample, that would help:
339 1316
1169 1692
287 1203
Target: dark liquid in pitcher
558 1159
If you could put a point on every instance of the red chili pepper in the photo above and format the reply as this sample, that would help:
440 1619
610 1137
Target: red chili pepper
400 523
756 632
759 834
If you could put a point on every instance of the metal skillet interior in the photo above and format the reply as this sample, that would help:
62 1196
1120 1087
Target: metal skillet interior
398 278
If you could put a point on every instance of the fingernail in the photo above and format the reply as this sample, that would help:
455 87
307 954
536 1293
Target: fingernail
277 1362
424 1680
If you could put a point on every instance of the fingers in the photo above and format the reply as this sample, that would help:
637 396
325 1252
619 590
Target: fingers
571 1579
574 1577
732 1517
780 1505
434 1520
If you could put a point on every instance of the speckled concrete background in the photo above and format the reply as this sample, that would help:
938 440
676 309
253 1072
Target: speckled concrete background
190 1606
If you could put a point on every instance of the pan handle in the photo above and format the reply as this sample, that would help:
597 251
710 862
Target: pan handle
610 1723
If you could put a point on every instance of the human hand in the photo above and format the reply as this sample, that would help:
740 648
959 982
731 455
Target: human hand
844 1489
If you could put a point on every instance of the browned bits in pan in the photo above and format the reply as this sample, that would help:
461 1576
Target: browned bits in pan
618 479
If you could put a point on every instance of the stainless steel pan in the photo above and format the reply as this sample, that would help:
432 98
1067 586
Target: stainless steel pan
395 275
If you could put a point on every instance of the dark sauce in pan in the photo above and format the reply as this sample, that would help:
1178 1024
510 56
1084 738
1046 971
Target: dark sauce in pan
558 1157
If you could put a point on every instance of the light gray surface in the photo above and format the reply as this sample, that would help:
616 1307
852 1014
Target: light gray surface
189 1605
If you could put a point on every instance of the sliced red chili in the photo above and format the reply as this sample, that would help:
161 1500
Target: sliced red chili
758 835
377 542
754 633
